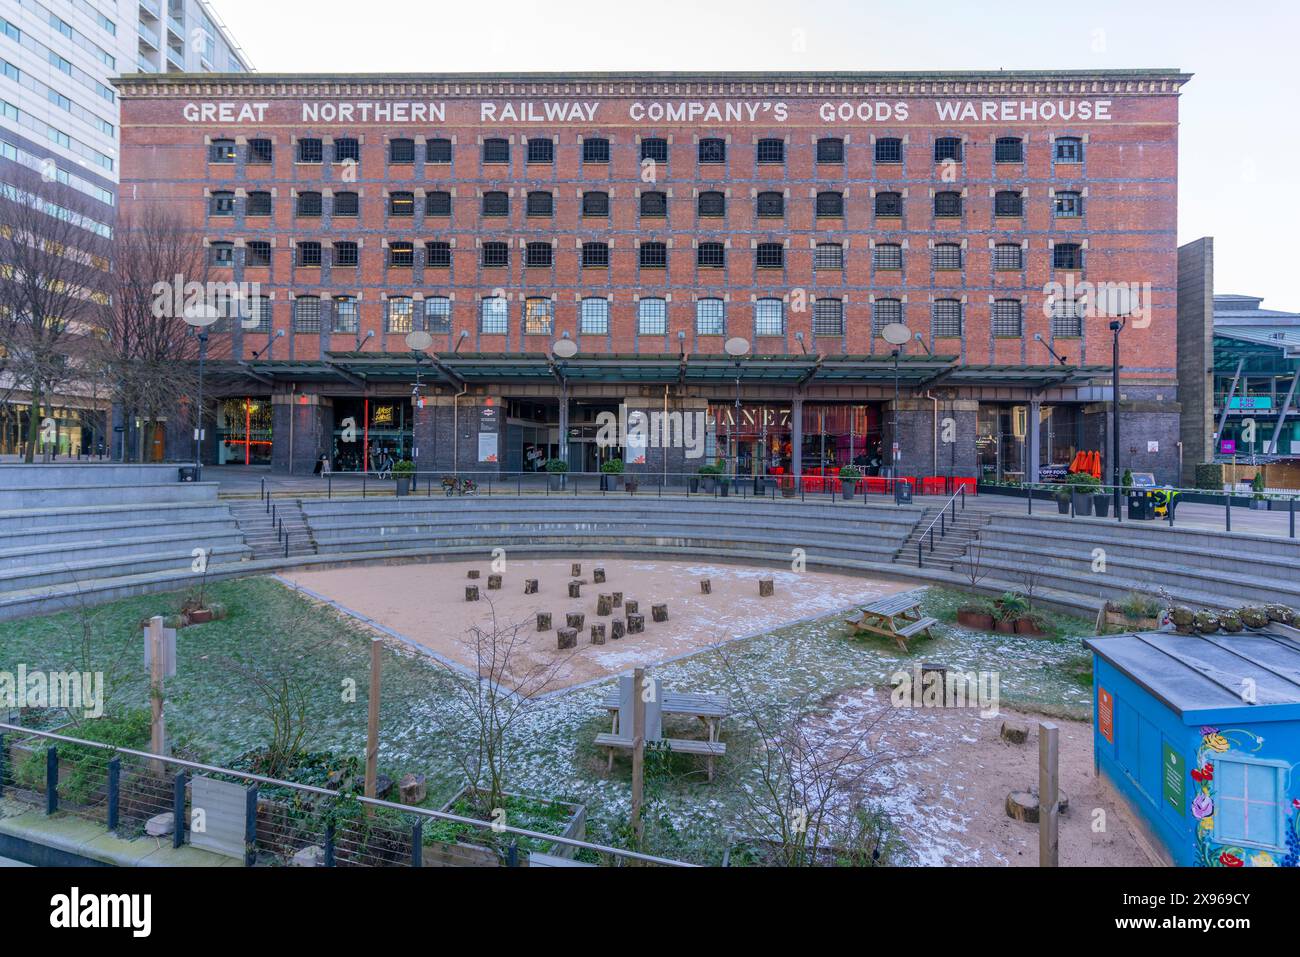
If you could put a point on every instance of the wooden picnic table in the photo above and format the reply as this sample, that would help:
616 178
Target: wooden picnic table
898 617
709 709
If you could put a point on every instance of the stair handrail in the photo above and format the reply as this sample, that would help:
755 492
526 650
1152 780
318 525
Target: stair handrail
941 521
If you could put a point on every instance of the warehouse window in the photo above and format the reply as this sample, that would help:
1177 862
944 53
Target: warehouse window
947 204
1068 204
257 253
770 150
711 255
594 320
651 317
712 203
889 150
654 205
828 317
437 204
710 317
1008 256
221 151
946 319
494 316
770 205
260 152
1068 149
347 204
538 312
309 205
496 203
496 254
401 204
438 150
595 204
496 150
259 314
1007 318
654 148
947 149
887 256
345 314
885 312
1250 802
830 150
830 205
311 150
537 255
346 253
401 152
401 255
828 256
437 253
713 150
889 205
769 256
306 314
222 203
769 317
1067 318
595 254
653 256
946 256
1008 203
540 203
595 150
223 254
1009 149
347 150
541 150
1067 256
437 314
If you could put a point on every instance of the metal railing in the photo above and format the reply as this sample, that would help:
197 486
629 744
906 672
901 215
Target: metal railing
942 521
124 789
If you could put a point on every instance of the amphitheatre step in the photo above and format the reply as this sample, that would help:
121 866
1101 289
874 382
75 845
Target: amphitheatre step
266 527
91 495
109 533
98 474
34 577
97 549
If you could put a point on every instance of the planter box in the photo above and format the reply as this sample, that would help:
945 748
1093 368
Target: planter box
477 855
1082 503
1005 627
403 486
1063 507
555 480
1029 629
1118 619
974 619
1101 505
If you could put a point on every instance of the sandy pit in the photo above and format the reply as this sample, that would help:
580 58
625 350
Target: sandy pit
425 604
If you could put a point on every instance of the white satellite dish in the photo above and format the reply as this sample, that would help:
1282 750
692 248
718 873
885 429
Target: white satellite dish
564 349
418 340
736 347
200 315
896 334
1114 299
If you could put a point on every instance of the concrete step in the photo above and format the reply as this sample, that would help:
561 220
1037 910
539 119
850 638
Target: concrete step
53 497
95 550
35 577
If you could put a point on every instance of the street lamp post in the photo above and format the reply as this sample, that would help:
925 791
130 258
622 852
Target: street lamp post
1115 326
198 409
897 335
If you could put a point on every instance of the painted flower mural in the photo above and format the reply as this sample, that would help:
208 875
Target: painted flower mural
1209 853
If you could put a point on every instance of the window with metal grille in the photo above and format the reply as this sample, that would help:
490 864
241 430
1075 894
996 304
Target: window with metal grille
496 150
887 256
306 314
260 152
1008 203
889 205
946 256
710 317
347 150
828 256
770 150
595 150
537 316
712 203
494 316
222 203
346 318
259 314
654 148
437 253
221 151
771 205
1250 803
437 204
1068 205
309 254
947 148
711 255
889 150
537 254
651 317
828 317
347 204
830 205
401 255
595 254
496 203
1068 149
401 204
1067 318
769 256
400 312
654 204
540 203
769 317
713 150
223 254
830 150
946 318
496 254
401 151
1007 318
1008 256
437 314
1067 256
541 149
311 151
346 253
947 204
259 204
884 312
309 205
595 204
438 150
654 255
1009 149
594 318
257 253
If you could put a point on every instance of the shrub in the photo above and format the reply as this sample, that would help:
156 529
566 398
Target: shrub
404 469
1012 606
1137 605
714 469
850 473
1209 475
557 466
1257 484
612 467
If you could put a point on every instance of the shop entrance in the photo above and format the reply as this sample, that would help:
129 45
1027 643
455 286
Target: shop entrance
371 434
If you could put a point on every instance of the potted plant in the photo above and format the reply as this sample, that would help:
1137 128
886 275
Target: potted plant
787 485
1137 612
709 475
849 478
1259 501
404 472
556 469
1082 489
611 474
1011 607
1101 504
1062 495
977 615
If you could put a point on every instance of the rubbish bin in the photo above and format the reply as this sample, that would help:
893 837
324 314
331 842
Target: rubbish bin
1141 505
188 473
902 493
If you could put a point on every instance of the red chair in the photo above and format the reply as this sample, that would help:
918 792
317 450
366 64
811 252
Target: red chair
933 485
877 485
969 484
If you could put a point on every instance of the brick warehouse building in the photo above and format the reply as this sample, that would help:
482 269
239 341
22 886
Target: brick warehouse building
648 219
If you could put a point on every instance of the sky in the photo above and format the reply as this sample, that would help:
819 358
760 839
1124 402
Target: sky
1239 140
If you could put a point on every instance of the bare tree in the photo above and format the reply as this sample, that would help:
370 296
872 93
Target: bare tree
972 564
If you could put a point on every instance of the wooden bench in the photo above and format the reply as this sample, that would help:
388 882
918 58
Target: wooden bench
708 749
898 617
550 860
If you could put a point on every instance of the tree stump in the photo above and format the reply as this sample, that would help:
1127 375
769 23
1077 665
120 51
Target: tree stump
575 569
574 619
635 624
1023 805
412 789
575 589
598 576
605 605
566 638
471 592
706 587
494 582
472 573
617 629
618 599
1014 733
543 621
631 608
659 612
530 586
597 634
766 588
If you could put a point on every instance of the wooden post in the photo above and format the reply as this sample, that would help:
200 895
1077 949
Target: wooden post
157 669
575 589
706 587
575 619
530 586
543 621
598 576
1048 799
494 582
638 751
471 592
617 629
659 612
372 725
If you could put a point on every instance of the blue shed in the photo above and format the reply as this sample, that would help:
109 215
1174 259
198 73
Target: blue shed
1200 734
